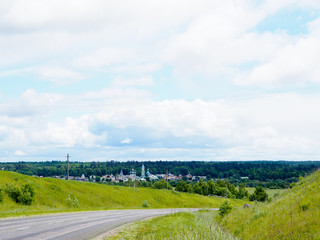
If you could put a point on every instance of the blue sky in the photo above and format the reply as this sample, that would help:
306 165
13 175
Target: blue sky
159 80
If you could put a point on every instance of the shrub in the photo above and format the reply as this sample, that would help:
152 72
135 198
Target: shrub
304 206
182 186
293 184
259 195
225 208
25 195
13 192
72 201
162 184
1 195
145 204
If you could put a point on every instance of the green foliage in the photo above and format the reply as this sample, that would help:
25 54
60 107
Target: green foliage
292 185
304 206
186 225
1 195
294 214
145 204
162 184
214 188
52 194
182 186
242 193
259 195
25 195
13 192
73 202
267 174
134 183
225 208
98 179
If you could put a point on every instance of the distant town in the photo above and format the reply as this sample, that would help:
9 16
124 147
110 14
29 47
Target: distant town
275 174
121 178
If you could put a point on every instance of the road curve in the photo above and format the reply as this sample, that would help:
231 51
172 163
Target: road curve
81 225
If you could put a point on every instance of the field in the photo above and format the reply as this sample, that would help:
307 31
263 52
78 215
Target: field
271 192
294 214
291 214
52 196
187 225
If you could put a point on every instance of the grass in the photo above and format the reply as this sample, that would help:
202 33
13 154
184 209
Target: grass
52 196
294 214
271 192
182 226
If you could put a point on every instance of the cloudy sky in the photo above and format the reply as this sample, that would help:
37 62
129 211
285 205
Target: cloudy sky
159 80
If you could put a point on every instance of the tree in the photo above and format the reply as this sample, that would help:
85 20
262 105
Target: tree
1 196
98 179
212 187
232 189
242 193
182 186
225 208
162 184
259 195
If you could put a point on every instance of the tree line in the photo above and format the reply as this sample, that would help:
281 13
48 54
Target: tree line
269 174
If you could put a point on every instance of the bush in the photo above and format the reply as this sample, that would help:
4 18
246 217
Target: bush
162 184
292 185
145 204
304 206
1 195
225 208
25 195
259 195
13 192
72 201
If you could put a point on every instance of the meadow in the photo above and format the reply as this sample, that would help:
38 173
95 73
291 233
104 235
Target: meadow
182 226
271 192
53 195
293 214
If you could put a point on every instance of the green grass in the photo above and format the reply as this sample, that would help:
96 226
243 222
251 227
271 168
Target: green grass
294 214
271 192
52 194
186 225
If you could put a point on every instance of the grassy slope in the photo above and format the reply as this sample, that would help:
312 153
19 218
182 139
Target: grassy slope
271 192
51 196
187 225
283 218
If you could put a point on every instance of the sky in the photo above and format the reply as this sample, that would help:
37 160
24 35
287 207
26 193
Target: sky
205 80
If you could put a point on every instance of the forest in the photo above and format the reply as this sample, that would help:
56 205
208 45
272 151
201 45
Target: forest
270 174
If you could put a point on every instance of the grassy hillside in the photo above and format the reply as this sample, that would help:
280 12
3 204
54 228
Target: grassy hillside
186 225
294 214
52 194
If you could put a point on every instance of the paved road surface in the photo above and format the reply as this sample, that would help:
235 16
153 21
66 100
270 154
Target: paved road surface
83 225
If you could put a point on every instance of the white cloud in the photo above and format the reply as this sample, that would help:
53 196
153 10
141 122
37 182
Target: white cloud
103 57
268 127
143 81
127 141
19 153
58 75
295 63
209 38
139 43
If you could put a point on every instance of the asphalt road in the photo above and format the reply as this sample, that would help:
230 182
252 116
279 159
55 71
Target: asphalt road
83 225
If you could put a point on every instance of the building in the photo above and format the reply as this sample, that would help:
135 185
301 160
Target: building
143 172
133 174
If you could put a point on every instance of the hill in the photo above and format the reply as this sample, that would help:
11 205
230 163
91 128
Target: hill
51 195
294 214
